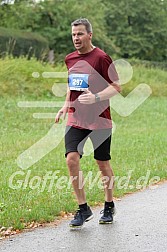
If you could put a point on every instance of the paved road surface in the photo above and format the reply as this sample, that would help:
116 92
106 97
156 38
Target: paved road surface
140 225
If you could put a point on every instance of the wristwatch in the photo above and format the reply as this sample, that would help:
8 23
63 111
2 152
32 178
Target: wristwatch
97 98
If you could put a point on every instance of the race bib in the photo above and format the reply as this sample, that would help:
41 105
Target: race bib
78 82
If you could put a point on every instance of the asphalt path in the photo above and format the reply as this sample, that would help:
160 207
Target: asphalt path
140 225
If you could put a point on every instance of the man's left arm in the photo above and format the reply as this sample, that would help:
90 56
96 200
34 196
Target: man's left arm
110 91
107 93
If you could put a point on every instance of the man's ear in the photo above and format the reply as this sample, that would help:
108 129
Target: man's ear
90 35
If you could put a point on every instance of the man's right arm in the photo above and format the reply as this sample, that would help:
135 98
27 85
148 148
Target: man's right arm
64 109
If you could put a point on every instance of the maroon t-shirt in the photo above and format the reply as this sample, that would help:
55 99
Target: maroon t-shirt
91 68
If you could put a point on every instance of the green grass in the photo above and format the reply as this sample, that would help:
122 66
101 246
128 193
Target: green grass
138 144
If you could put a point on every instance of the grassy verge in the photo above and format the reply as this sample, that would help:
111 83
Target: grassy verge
138 146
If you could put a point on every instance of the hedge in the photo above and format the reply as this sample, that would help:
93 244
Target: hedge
149 64
20 42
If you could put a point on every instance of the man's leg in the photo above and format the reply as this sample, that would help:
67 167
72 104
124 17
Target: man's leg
107 173
102 141
108 183
84 213
74 152
72 161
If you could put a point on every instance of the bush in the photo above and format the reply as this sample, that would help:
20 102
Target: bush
148 64
19 42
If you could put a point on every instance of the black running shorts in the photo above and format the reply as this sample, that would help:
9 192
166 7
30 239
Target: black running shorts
75 139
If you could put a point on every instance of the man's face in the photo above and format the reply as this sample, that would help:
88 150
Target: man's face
81 38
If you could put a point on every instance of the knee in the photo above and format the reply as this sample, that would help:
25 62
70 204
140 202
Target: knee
103 165
72 160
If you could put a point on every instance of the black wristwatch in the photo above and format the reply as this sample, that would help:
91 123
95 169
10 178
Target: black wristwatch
97 98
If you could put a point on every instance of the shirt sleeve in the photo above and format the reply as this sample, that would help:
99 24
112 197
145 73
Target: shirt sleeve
109 72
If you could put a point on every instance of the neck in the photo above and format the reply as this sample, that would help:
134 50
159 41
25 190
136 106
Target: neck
87 50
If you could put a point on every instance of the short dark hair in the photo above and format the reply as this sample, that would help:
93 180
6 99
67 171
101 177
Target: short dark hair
83 21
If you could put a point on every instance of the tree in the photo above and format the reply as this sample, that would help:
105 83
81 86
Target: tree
56 17
138 28
52 19
127 28
7 2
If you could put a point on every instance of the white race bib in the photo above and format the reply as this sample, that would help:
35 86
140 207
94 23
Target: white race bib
78 82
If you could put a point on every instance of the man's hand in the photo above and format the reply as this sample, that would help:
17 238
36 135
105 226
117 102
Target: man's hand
61 112
87 98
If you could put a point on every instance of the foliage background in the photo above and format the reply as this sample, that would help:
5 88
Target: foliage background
124 28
